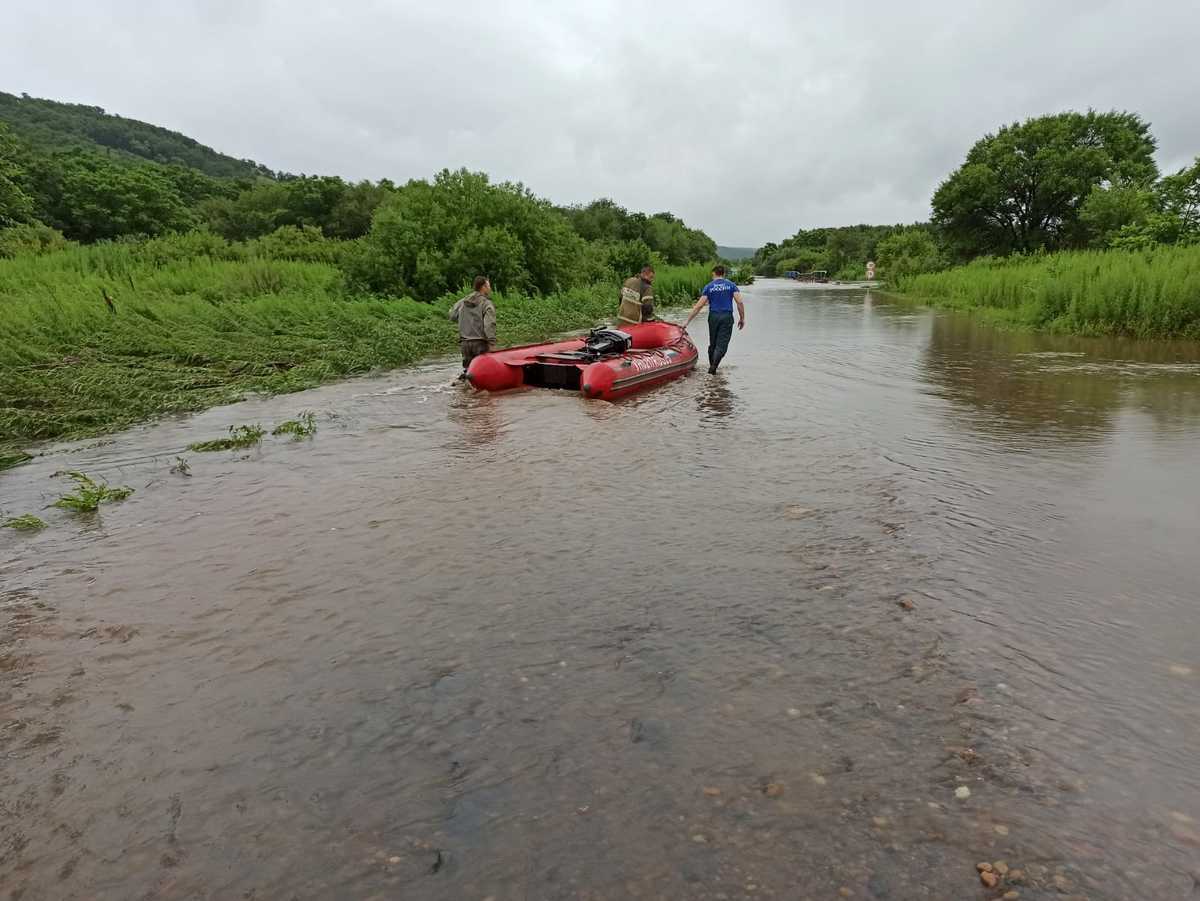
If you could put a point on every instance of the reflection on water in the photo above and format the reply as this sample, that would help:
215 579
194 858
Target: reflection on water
1072 387
529 646
477 417
716 401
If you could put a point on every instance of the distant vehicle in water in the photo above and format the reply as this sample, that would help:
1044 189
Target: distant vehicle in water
817 275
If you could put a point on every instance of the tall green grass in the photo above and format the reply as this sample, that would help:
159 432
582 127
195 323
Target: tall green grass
189 329
1148 294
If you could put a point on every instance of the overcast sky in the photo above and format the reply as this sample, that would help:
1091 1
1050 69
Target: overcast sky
748 122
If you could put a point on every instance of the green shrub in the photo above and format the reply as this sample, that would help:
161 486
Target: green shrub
240 436
26 523
907 253
426 239
30 239
191 245
89 494
292 242
305 426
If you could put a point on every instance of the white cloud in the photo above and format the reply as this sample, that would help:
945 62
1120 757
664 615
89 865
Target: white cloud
749 122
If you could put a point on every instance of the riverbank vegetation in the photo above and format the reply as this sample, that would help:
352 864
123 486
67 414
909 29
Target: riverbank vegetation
1059 222
142 273
1152 293
94 338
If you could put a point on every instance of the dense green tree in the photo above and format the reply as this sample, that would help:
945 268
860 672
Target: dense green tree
1157 228
764 253
842 252
16 204
89 198
255 211
663 233
844 249
194 187
1168 214
339 209
604 220
803 259
1179 195
626 258
908 252
310 200
292 242
1021 189
677 243
1106 211
351 215
30 239
428 238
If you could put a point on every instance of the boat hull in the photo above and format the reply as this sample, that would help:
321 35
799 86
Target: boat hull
660 352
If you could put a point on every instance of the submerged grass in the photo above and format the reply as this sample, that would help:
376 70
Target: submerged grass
26 523
192 333
1146 294
9 459
240 436
303 427
89 494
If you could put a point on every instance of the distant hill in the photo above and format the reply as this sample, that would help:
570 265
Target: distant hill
94 176
733 254
60 126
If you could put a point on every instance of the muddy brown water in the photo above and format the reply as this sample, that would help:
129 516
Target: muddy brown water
533 647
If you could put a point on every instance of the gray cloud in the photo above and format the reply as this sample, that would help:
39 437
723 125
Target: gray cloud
748 122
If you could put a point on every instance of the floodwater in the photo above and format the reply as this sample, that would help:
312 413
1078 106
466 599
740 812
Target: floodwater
533 647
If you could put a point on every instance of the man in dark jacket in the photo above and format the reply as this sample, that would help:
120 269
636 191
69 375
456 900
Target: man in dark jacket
637 297
476 318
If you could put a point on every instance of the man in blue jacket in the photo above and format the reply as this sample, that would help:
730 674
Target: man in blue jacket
720 295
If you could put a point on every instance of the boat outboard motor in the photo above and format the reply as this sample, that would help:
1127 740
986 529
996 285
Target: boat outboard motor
603 341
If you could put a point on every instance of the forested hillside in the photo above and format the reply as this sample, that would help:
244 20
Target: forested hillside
62 126
76 173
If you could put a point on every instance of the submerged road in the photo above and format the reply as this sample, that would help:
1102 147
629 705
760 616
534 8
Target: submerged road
892 595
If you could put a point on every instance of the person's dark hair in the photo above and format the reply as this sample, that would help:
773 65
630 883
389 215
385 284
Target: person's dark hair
719 271
480 281
647 268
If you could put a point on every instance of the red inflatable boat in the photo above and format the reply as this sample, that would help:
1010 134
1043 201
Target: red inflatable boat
607 363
